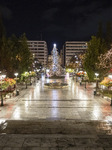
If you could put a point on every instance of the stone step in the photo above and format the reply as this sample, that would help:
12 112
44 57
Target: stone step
72 127
53 142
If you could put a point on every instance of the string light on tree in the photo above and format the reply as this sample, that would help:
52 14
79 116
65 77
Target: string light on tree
55 67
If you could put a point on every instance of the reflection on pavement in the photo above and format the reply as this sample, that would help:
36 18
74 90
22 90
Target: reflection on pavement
72 102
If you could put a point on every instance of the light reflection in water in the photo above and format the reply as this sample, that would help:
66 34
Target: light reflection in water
27 105
54 94
37 92
16 114
96 112
43 77
47 80
3 123
81 95
73 89
30 97
108 119
84 103
54 103
67 77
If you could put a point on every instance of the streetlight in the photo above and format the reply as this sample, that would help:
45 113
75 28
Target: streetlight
2 77
1 94
30 77
81 78
38 74
16 74
110 76
17 91
85 79
26 78
76 76
96 74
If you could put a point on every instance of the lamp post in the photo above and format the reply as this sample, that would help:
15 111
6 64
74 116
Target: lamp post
17 91
26 79
16 74
2 77
85 79
96 74
81 78
30 77
85 84
1 94
1 89
76 75
110 76
34 76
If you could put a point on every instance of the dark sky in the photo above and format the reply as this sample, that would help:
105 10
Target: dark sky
55 21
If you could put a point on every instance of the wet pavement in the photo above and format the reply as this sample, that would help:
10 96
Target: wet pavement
56 119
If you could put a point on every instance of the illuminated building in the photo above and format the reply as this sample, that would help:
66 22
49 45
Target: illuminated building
39 50
71 48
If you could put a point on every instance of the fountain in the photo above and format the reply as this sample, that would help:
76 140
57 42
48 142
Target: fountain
56 85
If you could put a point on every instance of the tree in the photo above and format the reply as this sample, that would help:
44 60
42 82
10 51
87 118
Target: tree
105 62
55 68
14 49
14 55
24 54
95 48
75 63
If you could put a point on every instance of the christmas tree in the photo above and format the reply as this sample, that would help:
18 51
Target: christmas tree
55 69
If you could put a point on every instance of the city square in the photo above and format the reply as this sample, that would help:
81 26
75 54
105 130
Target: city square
55 75
65 118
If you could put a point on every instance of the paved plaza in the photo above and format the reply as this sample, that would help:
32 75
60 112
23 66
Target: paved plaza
69 118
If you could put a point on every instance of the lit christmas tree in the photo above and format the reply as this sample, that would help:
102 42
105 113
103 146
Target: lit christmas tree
55 69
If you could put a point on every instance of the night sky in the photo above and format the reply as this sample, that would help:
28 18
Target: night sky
55 21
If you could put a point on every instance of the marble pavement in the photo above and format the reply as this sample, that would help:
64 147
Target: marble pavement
43 118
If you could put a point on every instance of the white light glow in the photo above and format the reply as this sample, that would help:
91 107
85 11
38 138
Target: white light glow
110 76
47 70
54 45
3 123
96 74
16 113
108 119
96 112
16 74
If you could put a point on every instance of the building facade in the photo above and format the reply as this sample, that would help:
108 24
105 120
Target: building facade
61 58
71 48
39 50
